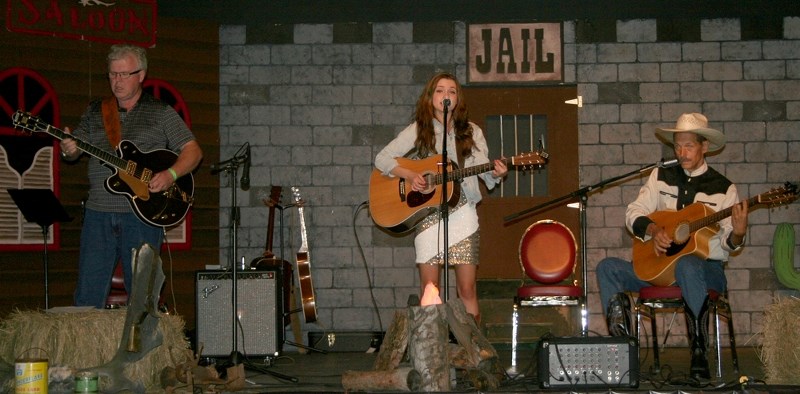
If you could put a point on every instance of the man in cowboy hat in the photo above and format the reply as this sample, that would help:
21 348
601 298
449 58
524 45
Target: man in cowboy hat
673 189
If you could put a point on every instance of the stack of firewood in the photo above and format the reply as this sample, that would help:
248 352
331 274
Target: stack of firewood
418 355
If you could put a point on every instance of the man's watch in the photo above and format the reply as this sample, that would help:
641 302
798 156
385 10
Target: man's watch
732 246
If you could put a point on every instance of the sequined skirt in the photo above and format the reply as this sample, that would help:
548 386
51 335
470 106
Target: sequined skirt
463 252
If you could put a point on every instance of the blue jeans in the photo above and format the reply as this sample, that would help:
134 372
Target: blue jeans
694 275
107 238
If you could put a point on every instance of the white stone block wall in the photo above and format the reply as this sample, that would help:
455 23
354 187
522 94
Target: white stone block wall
316 112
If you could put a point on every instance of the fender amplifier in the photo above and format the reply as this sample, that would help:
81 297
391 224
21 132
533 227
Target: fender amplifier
259 311
588 362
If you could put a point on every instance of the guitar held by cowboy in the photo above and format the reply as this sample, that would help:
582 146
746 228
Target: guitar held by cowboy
689 230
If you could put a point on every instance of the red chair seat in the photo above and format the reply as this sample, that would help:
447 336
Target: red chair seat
529 291
652 292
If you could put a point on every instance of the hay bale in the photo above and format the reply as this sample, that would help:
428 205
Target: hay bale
780 348
88 339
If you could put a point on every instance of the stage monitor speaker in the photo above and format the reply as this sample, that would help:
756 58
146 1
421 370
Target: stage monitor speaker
588 362
259 310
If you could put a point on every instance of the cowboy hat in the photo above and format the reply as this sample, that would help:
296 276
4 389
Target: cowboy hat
693 123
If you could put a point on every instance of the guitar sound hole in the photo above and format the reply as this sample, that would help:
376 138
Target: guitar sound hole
675 248
416 199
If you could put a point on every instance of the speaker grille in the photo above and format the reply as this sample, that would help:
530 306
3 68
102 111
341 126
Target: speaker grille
259 299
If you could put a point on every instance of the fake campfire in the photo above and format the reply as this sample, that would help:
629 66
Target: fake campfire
417 354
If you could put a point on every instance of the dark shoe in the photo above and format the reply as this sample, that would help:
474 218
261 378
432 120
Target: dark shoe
618 315
697 327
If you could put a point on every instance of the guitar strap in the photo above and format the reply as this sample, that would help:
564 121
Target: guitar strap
459 157
111 121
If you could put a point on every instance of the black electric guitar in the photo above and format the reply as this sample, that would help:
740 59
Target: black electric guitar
133 170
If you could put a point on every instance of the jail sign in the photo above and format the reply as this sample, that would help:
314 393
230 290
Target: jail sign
515 52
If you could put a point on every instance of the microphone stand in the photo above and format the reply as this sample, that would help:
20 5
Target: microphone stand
445 211
583 193
230 167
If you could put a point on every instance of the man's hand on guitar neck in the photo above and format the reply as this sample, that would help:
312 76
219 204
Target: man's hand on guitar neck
661 238
69 147
739 222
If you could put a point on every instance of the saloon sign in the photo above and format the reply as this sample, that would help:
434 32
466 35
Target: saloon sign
516 52
109 21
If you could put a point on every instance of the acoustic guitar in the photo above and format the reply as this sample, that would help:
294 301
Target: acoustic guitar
691 229
397 208
269 260
133 170
304 265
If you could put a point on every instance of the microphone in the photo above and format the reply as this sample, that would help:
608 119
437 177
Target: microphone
246 172
217 168
668 163
446 103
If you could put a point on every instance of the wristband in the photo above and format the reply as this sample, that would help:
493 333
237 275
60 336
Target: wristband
174 174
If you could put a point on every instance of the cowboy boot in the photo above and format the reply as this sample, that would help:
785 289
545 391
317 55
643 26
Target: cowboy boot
618 315
697 327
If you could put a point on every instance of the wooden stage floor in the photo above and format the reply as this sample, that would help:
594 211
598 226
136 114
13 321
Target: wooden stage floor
322 372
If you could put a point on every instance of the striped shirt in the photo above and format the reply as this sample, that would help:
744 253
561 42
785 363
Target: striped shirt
150 125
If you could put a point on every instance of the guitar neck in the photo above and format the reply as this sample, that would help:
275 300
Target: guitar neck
274 199
717 216
438 179
303 234
90 149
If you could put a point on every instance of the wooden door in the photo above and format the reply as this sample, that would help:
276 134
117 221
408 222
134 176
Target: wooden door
517 120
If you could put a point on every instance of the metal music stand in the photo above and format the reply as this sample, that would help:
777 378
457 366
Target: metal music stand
40 206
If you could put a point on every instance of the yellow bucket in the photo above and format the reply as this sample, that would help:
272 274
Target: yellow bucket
30 376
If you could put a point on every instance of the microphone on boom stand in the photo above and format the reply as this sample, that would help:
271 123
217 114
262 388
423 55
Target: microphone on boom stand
444 209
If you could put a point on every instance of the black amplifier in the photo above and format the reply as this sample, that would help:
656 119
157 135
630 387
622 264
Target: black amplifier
588 362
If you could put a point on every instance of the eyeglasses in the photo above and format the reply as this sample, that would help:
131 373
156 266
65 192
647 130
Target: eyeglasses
123 75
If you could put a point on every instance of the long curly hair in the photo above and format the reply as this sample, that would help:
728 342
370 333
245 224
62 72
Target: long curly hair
424 117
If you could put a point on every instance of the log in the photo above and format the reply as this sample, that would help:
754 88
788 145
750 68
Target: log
398 379
466 332
474 353
394 343
427 346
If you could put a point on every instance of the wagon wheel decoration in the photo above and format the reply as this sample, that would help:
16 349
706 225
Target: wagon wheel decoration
22 164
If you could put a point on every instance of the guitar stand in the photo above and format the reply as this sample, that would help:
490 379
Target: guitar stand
40 206
583 194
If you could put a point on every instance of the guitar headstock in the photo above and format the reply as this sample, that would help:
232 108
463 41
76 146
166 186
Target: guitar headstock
275 195
530 159
781 195
296 195
27 122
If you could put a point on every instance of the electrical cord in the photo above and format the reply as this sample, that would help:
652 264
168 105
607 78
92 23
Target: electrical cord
171 272
366 266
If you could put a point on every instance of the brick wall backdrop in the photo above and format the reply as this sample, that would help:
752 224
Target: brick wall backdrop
318 101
